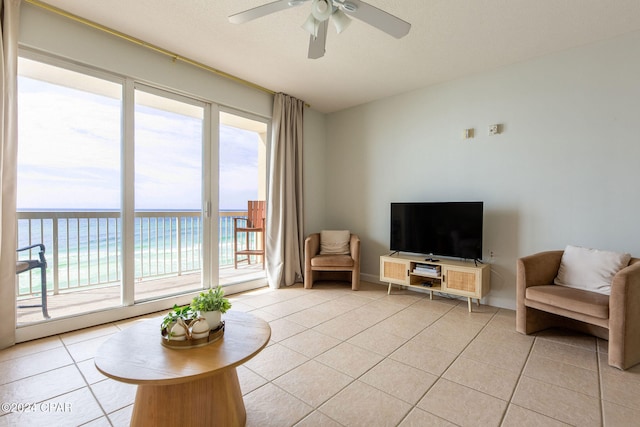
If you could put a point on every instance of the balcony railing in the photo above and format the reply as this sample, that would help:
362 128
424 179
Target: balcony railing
84 248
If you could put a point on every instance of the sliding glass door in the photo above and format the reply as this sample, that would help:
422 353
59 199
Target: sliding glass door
68 192
242 199
168 193
134 193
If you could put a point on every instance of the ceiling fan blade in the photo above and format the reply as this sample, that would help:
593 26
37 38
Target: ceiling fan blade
317 44
380 19
260 11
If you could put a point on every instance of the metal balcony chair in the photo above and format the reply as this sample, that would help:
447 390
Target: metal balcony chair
23 265
253 223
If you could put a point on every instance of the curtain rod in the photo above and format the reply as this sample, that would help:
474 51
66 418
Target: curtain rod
173 56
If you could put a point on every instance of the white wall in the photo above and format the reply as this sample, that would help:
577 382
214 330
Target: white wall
314 171
565 170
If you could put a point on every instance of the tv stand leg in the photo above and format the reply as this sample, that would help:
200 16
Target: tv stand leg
469 303
389 289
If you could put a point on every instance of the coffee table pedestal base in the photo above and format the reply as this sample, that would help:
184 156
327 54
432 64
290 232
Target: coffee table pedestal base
215 400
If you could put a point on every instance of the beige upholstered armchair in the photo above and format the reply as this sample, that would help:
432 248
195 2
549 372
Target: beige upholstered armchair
335 263
541 304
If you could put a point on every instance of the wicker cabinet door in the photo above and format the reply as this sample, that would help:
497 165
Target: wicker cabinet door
461 282
394 271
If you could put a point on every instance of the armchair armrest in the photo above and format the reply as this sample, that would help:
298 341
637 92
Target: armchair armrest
354 247
538 269
533 270
40 245
624 317
43 259
311 247
626 282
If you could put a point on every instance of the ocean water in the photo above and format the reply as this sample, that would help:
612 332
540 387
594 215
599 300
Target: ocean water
89 248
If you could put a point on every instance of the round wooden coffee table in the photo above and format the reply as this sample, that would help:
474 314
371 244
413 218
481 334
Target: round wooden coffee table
189 387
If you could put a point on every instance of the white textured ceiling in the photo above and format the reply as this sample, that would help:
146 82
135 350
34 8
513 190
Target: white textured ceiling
449 39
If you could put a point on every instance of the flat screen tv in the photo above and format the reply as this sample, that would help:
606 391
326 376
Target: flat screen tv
449 229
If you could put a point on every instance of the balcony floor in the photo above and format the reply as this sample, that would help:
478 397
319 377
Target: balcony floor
70 303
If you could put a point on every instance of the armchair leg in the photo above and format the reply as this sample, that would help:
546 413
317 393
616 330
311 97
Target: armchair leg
43 274
308 279
530 320
355 280
43 294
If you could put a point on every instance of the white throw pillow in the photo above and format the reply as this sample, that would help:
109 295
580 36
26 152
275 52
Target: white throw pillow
334 242
590 269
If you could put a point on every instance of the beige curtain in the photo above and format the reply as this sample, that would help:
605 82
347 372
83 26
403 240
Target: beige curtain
285 238
10 11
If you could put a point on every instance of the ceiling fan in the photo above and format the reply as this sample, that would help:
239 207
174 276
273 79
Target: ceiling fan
318 21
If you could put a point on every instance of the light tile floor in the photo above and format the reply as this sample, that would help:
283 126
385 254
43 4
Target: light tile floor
343 358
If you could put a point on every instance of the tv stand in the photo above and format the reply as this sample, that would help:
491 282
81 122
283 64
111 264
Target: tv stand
461 278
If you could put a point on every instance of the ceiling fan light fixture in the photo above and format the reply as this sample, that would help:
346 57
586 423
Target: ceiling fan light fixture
340 20
321 9
311 25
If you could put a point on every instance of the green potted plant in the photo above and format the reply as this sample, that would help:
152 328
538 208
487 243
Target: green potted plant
186 313
211 305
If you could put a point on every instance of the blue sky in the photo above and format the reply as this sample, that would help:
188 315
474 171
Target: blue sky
69 154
